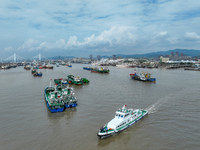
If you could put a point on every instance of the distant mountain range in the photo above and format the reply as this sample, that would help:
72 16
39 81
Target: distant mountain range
187 52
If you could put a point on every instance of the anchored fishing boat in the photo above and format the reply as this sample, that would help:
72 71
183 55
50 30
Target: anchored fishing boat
48 66
149 78
27 67
78 81
87 68
68 96
53 99
142 77
69 65
33 70
37 73
85 80
123 119
100 70
132 75
60 80
70 78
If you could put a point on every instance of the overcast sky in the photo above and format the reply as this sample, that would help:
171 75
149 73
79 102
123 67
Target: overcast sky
98 27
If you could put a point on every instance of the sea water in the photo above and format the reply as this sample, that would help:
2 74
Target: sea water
173 103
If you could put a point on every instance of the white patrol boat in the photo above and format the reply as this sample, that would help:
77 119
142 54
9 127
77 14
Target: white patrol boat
123 119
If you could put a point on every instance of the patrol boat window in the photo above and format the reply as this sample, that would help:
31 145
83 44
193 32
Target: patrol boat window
126 115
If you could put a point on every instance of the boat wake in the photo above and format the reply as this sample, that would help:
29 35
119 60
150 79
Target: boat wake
154 107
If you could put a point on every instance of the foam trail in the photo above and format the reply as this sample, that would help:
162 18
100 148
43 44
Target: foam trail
154 107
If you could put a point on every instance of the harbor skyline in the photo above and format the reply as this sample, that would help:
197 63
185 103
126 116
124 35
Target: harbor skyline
81 28
176 54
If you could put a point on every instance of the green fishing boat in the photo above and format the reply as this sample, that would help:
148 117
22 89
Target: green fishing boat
100 70
68 96
71 79
85 80
60 80
33 71
78 81
54 99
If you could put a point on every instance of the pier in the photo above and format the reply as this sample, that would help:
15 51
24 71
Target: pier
176 66
192 69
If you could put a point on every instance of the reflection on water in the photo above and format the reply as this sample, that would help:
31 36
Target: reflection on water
68 113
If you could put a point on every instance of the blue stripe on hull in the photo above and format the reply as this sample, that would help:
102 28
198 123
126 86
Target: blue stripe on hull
151 79
53 110
70 105
56 109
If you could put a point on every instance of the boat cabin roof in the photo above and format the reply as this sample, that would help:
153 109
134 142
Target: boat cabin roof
124 112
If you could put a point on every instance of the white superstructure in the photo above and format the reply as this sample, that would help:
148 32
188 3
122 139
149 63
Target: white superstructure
123 119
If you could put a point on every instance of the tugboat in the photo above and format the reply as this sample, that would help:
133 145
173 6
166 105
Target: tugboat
123 119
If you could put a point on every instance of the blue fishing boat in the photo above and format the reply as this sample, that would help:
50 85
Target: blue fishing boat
86 68
69 65
151 79
142 77
39 73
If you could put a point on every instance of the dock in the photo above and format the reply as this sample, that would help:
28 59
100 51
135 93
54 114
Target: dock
192 69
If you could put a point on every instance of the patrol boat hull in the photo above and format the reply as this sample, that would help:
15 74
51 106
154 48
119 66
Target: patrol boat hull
123 119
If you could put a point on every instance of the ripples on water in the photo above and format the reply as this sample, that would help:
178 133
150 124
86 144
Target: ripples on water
173 105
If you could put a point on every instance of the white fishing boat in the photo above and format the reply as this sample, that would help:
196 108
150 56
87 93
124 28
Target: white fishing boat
123 119
126 65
